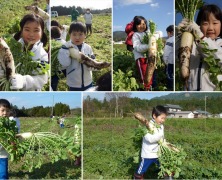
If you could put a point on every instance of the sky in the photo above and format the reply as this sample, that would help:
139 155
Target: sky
32 99
160 11
92 4
178 17
141 95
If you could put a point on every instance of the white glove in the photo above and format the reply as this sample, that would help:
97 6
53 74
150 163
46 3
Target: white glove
183 24
194 28
17 81
2 72
166 63
35 82
68 44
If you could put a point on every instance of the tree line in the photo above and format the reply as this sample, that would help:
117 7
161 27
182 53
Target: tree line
39 111
63 10
122 105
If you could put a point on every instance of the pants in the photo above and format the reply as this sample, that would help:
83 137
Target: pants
141 67
89 27
129 47
55 80
4 168
80 89
145 163
169 73
61 125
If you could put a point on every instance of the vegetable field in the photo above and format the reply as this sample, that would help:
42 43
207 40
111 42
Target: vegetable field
126 76
109 153
100 41
61 169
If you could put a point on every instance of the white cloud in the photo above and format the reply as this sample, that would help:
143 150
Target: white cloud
117 27
169 13
129 2
154 5
116 7
39 95
136 10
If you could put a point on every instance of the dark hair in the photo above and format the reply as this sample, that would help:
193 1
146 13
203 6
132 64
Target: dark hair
13 113
55 32
5 103
56 23
205 11
158 110
32 18
104 82
137 21
170 28
77 26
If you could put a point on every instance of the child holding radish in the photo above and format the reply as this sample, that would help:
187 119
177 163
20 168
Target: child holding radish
79 76
168 54
4 112
32 34
208 28
150 142
140 28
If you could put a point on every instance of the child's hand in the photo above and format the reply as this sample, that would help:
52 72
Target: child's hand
194 28
183 24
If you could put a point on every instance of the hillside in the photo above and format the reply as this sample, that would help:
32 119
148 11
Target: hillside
187 96
119 36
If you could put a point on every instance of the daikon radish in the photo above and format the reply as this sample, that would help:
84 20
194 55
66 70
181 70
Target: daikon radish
38 11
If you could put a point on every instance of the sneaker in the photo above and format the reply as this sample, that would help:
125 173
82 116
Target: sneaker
166 176
137 176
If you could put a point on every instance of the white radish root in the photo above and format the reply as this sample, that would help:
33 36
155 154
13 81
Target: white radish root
38 11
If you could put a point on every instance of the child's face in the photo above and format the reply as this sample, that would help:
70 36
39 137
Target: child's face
160 119
31 32
170 33
4 112
77 37
211 28
141 27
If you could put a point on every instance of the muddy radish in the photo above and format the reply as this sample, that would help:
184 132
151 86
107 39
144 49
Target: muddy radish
6 58
38 11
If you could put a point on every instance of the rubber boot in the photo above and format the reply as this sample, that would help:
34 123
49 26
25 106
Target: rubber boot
77 162
137 176
90 32
166 176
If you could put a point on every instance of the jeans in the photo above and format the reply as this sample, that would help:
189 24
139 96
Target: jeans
4 168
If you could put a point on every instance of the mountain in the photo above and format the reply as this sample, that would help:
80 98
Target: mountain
187 95
119 36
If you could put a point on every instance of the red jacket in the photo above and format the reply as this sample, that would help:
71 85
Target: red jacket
129 31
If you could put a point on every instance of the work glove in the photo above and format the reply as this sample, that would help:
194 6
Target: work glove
17 81
68 44
2 72
194 28
183 24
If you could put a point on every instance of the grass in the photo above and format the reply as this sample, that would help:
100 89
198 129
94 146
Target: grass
100 41
109 152
61 169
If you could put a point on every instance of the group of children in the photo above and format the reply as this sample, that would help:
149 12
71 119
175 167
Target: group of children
208 28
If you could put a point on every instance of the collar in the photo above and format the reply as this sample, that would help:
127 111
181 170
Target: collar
35 46
57 39
217 38
153 121
78 45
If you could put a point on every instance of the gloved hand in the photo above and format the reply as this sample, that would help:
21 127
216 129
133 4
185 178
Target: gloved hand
68 44
18 81
2 72
183 24
166 63
194 28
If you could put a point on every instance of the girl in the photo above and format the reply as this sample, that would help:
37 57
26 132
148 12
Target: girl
140 28
208 28
32 31
63 28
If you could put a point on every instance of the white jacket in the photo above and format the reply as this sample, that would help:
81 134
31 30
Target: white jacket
198 80
168 53
139 48
88 18
64 32
77 74
38 81
150 143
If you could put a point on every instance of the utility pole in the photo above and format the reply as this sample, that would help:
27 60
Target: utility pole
52 104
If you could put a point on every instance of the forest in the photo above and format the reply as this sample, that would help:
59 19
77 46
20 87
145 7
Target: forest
121 105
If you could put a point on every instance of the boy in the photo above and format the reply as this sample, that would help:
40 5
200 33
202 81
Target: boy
62 122
79 76
150 142
168 54
4 112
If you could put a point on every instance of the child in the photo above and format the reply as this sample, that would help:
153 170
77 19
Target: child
32 30
63 29
208 28
13 116
79 76
4 112
168 54
140 28
88 20
62 122
129 31
150 142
